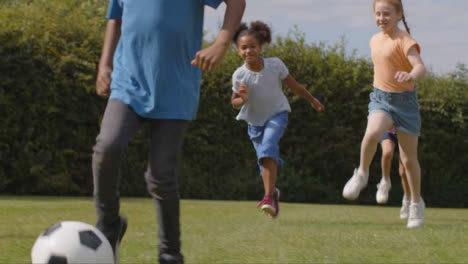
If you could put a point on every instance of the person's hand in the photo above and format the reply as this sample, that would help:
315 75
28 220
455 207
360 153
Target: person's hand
243 92
103 81
208 58
317 105
402 76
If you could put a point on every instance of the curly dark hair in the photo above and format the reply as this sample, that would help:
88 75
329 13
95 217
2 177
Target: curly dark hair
258 29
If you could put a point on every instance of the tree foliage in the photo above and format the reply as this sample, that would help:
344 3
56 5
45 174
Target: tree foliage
50 116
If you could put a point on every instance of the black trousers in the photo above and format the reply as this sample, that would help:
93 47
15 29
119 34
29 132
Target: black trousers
118 127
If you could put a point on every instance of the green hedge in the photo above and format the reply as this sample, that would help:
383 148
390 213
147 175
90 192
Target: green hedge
50 116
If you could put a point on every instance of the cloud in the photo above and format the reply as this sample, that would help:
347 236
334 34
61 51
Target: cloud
354 12
439 26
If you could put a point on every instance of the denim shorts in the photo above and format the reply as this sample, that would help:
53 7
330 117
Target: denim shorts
266 138
402 107
392 137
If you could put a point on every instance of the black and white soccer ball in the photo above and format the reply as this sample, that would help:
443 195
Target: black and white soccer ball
72 242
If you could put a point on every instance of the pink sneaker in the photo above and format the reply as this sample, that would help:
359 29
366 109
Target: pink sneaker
267 206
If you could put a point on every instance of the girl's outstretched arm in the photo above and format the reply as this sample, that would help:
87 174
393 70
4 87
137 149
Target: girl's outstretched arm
238 99
105 66
300 90
208 58
418 67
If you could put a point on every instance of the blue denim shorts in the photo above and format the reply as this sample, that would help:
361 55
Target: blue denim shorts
392 137
402 107
266 138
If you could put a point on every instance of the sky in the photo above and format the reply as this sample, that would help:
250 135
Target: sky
439 26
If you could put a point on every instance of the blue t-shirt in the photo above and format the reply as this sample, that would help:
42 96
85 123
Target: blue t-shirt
152 71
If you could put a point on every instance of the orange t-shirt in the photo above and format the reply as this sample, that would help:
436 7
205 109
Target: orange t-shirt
389 55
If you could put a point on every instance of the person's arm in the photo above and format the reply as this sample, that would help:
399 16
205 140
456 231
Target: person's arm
238 99
418 67
105 66
208 58
300 90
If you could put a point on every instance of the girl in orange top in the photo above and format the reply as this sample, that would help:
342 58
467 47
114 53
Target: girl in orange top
397 64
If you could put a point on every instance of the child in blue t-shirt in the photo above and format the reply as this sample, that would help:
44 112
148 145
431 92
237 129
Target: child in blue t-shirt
150 70
257 91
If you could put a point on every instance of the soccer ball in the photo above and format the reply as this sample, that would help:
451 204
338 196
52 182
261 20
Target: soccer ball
72 242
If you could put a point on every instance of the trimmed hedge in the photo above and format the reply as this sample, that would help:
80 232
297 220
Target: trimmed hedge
50 117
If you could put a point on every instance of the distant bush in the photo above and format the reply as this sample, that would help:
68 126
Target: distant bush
50 117
444 140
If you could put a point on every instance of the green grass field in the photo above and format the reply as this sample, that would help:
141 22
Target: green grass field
235 232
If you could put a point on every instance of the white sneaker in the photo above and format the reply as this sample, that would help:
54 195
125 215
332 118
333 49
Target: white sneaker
416 214
404 211
382 191
355 185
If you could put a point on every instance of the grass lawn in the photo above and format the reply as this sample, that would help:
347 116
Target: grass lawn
234 232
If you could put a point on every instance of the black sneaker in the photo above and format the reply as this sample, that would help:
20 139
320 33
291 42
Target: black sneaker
166 258
114 233
123 229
